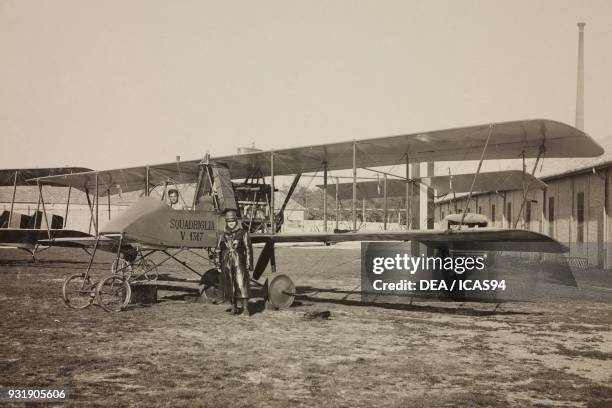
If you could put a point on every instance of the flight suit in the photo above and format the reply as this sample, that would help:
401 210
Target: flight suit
236 261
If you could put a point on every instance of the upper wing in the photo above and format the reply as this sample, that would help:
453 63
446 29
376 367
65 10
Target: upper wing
493 239
23 177
128 179
508 140
459 183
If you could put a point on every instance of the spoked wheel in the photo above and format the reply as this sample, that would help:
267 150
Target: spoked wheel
113 293
281 292
146 268
211 285
78 291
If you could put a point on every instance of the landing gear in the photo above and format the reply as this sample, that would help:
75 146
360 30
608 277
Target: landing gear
78 291
278 291
211 286
113 293
281 292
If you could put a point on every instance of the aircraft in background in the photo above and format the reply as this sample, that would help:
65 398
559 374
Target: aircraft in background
24 231
238 182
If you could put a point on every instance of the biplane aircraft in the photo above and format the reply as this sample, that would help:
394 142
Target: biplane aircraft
24 231
246 182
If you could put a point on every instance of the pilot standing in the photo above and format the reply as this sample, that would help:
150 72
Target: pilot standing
236 261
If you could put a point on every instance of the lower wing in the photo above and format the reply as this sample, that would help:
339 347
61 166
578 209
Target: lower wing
486 239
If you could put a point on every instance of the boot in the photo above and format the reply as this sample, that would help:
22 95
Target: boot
245 307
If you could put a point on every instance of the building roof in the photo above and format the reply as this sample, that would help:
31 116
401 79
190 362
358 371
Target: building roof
555 168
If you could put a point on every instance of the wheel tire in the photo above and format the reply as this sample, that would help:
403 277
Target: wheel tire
211 286
113 293
77 291
281 292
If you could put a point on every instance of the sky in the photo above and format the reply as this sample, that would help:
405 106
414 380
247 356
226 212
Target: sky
107 84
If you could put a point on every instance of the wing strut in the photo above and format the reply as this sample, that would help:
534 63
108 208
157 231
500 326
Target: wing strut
67 206
324 196
272 216
484 150
109 203
385 202
337 204
281 213
44 209
354 201
97 204
13 199
147 180
36 213
91 211
409 191
526 187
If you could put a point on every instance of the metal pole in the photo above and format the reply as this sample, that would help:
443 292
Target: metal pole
325 196
109 209
36 213
119 256
203 168
526 187
385 202
354 204
13 199
363 210
97 202
67 206
164 194
408 198
337 204
272 220
44 209
146 181
580 82
90 206
482 156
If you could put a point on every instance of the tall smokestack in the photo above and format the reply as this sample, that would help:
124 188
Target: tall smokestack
580 87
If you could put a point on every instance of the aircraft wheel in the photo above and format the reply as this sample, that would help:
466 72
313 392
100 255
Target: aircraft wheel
113 293
78 291
147 268
211 285
281 292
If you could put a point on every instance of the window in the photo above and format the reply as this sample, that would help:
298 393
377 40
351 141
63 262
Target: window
580 216
509 213
551 216
492 212
528 213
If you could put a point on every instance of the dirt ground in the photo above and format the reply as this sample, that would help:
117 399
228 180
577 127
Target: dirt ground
181 352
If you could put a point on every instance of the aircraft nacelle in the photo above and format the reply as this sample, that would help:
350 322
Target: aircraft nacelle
152 222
